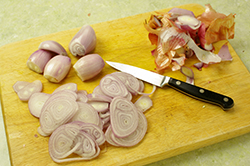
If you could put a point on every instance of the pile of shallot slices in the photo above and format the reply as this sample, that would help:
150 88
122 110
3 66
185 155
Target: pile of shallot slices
78 122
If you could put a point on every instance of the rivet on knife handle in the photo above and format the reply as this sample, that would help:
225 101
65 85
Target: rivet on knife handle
202 94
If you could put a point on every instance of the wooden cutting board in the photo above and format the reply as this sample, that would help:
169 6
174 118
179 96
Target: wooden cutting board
176 123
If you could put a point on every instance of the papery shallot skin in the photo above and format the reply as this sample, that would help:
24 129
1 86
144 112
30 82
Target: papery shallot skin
38 60
83 42
89 66
57 68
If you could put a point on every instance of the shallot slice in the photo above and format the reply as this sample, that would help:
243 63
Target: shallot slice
53 46
68 86
134 138
99 106
123 117
87 114
56 112
31 88
143 103
93 130
112 86
36 103
131 82
108 133
20 85
38 60
99 97
82 96
68 139
188 72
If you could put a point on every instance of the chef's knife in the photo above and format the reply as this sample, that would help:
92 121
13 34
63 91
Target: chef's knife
159 80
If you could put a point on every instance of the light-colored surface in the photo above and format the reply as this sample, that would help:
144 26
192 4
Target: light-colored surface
27 19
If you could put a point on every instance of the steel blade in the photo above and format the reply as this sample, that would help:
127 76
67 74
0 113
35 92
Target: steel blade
142 74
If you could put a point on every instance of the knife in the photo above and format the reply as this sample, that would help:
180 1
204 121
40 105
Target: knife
191 90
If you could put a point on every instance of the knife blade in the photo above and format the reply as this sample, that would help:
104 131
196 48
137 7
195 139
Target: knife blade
196 92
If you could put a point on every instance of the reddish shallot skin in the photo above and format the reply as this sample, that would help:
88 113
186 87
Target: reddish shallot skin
57 68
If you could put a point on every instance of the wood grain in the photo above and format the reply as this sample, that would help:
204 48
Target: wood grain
176 123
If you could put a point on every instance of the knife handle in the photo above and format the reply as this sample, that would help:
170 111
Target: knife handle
202 94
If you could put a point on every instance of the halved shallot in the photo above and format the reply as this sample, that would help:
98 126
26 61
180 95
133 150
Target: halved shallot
53 46
83 42
123 117
89 66
38 60
57 68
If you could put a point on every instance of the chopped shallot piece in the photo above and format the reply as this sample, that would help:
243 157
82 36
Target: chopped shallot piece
36 103
69 86
225 54
31 88
143 103
20 85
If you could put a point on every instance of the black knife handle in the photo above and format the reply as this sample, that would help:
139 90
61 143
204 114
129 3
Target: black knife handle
202 94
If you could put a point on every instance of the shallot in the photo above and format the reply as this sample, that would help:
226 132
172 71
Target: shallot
57 68
83 42
53 46
38 60
89 66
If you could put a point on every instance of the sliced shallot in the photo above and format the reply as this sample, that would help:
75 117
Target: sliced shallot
123 117
112 86
134 138
87 114
56 112
36 103
68 86
132 83
99 106
20 85
31 88
93 130
68 139
143 103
